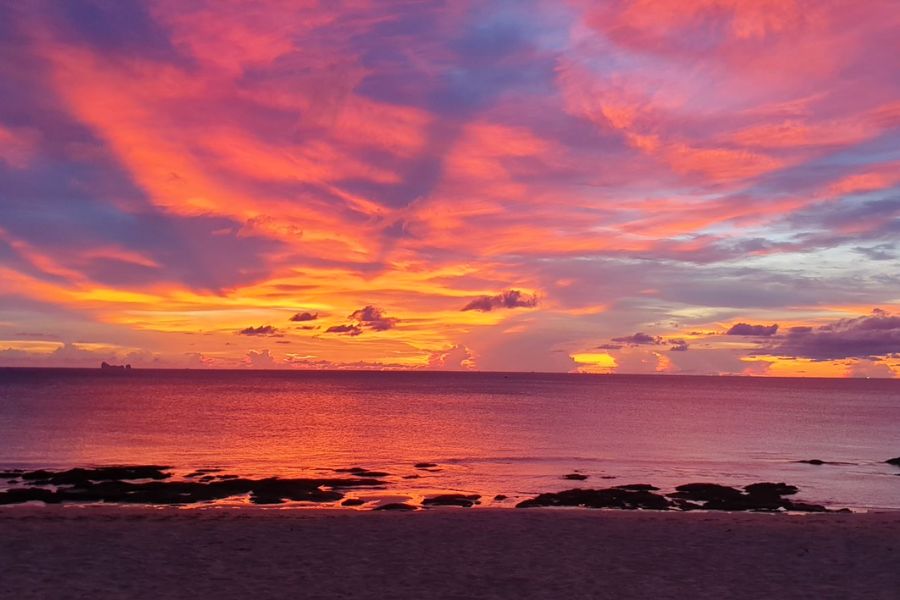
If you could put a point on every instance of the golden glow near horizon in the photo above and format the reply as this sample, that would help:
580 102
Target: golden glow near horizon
619 187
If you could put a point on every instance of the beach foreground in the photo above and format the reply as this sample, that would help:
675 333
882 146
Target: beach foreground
125 552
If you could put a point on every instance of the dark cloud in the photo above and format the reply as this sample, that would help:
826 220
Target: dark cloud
372 317
876 335
300 317
369 318
639 339
505 299
351 330
261 330
756 330
609 347
850 213
678 345
878 252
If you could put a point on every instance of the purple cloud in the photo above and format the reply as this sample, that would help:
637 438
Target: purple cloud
301 317
369 318
351 330
505 299
678 345
372 317
639 339
261 330
862 337
755 330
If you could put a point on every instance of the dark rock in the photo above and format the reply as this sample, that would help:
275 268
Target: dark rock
188 492
608 498
638 487
770 489
575 476
411 476
395 506
804 507
704 492
79 476
764 496
743 502
40 474
681 504
258 498
893 461
608 477
425 465
500 498
199 472
10 474
225 477
206 478
19 495
353 502
362 472
463 500
372 474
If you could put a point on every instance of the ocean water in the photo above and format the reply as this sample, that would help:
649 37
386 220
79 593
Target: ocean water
511 434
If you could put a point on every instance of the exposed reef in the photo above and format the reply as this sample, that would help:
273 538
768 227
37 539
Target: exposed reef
706 496
109 484
464 500
154 485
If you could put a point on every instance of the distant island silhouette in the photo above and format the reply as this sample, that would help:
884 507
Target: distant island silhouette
106 365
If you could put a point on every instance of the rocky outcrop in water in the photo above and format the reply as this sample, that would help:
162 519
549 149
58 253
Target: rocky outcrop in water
466 501
361 472
607 498
763 496
274 490
395 506
893 461
152 484
81 476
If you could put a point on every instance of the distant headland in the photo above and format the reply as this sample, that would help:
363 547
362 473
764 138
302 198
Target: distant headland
105 365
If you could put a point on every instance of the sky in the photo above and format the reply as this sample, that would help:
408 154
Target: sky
631 186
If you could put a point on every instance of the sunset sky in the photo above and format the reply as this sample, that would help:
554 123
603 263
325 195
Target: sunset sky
702 186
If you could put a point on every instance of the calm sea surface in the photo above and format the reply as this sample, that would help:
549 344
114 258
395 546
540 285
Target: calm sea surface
490 433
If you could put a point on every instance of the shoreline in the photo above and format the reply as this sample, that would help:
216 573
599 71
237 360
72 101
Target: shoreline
222 552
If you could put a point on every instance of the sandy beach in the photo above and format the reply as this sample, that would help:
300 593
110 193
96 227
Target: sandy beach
127 552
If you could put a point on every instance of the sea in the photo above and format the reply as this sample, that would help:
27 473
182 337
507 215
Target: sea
514 435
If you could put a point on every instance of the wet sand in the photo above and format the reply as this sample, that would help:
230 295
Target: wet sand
128 552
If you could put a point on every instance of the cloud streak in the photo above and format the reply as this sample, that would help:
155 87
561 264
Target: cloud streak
505 299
